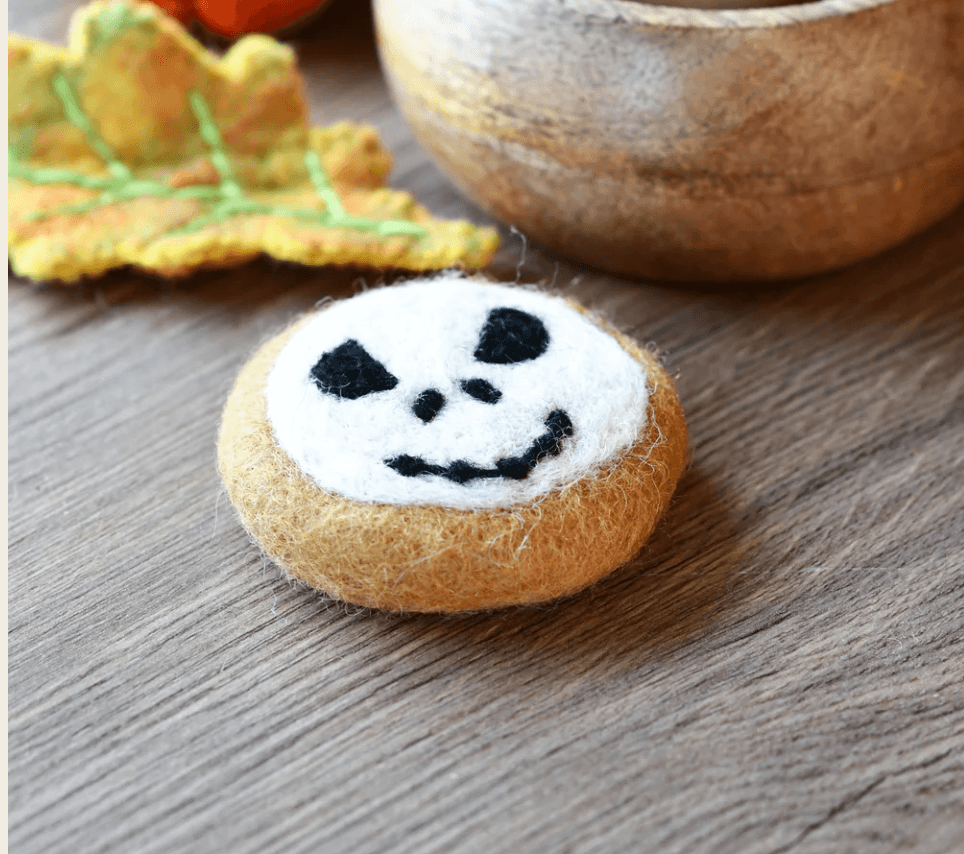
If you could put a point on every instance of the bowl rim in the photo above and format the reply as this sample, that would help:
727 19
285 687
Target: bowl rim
767 17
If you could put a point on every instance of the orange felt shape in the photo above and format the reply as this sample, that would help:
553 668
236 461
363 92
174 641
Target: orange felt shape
233 18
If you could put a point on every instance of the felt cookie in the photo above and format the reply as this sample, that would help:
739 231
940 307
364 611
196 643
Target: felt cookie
451 445
137 146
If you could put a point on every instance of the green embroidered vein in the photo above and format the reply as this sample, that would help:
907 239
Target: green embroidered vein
78 118
226 200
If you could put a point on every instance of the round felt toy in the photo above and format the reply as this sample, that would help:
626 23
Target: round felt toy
451 444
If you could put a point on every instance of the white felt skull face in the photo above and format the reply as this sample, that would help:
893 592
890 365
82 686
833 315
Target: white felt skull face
453 392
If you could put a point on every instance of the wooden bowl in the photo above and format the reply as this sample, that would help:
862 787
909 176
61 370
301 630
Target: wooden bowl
682 143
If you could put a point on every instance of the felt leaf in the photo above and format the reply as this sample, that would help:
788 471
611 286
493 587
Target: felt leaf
136 146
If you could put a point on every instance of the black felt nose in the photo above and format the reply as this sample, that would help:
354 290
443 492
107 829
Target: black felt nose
428 404
481 390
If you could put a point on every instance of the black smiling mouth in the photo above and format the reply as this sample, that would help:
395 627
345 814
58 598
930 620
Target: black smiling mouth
549 444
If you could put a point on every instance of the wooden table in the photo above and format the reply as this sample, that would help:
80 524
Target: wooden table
779 671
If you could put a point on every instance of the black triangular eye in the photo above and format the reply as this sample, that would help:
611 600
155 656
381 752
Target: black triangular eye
511 336
350 371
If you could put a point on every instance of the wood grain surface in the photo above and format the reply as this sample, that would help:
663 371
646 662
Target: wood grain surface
779 671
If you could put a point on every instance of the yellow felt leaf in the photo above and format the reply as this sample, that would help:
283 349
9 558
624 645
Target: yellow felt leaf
137 146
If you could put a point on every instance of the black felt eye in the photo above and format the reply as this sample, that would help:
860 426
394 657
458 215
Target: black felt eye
349 371
511 336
